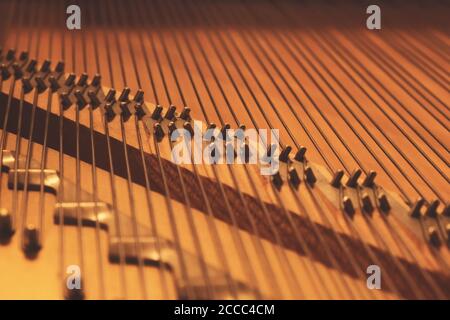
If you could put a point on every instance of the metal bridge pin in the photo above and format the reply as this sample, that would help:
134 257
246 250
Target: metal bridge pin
139 96
24 56
45 67
337 178
59 67
18 73
294 178
26 85
31 243
172 127
352 181
187 126
10 54
96 80
300 155
432 209
93 99
434 237
446 211
6 226
277 180
416 208
31 67
81 101
156 115
4 72
111 95
40 84
347 206
74 293
224 131
54 85
170 114
247 154
70 80
65 100
370 179
185 113
447 231
367 205
284 155
82 81
383 203
159 132
124 94
310 176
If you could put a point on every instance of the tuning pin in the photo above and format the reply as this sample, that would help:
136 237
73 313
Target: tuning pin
337 178
352 181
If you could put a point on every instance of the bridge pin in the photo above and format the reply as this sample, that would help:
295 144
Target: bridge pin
6 227
31 242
